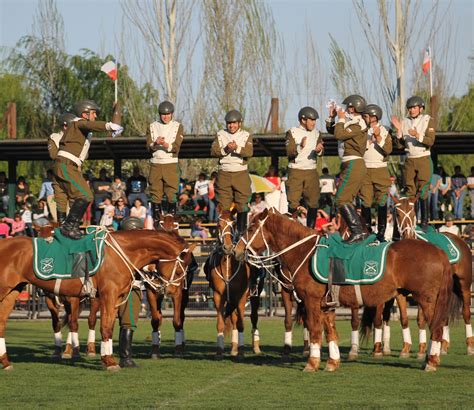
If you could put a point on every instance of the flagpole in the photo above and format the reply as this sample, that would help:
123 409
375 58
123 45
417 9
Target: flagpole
431 72
116 84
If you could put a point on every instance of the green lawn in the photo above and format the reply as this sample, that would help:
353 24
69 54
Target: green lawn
198 381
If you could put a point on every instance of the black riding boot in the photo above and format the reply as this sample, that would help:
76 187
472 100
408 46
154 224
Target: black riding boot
241 225
171 208
367 215
71 226
311 217
424 209
125 348
61 217
381 222
396 233
293 212
157 211
354 223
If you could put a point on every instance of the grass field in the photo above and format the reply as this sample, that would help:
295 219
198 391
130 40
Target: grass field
257 382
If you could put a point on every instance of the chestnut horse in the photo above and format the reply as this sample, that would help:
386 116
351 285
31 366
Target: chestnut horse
462 270
126 252
411 265
179 295
231 281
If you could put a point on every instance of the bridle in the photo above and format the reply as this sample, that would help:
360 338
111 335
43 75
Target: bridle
227 230
407 226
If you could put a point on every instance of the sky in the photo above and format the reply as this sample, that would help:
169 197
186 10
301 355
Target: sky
96 24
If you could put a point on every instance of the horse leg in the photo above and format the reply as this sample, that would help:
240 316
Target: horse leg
219 304
313 320
421 321
155 300
177 322
67 354
332 338
56 324
466 313
91 322
184 305
73 325
6 306
108 313
387 311
288 305
402 305
255 304
234 350
240 314
377 351
355 322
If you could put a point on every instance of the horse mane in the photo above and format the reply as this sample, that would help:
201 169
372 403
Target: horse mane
289 227
148 234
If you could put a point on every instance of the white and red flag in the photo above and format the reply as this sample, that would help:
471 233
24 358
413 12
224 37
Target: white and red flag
110 68
427 61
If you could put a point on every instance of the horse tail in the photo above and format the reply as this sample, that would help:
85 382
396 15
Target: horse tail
455 301
300 314
445 306
387 310
367 322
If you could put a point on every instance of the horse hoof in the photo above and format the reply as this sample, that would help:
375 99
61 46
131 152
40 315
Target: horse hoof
90 349
420 356
377 355
257 351
114 368
387 352
470 350
430 368
9 368
155 356
332 365
306 353
404 355
312 365
67 354
352 357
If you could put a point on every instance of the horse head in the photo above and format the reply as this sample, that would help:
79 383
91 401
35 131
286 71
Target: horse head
168 223
406 216
225 230
254 239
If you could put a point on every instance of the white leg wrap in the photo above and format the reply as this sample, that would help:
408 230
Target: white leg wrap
75 339
435 349
69 338
386 334
156 338
106 348
256 335
58 339
314 350
235 336
220 340
406 335
446 333
378 336
334 351
289 338
178 338
422 335
91 336
241 339
3 348
183 336
468 331
355 337
305 334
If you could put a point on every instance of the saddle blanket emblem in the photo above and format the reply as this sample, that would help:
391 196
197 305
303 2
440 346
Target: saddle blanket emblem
47 265
371 268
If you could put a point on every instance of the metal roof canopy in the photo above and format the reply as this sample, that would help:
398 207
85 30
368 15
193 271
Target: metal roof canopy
199 147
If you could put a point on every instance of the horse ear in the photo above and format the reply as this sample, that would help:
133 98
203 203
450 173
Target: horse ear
219 209
264 213
191 247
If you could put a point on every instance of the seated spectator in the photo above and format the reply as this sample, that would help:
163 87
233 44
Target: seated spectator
449 226
199 231
4 227
40 214
185 195
470 187
393 192
138 210
121 212
212 196
273 198
27 217
3 192
47 193
468 235
459 190
136 186
322 220
202 189
102 188
22 191
389 229
108 213
327 186
118 189
444 194
433 196
17 224
259 205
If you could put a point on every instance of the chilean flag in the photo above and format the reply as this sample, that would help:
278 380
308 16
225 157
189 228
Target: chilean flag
110 68
427 61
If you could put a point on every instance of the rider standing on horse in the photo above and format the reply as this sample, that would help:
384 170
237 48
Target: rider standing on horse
233 146
351 129
377 183
303 144
163 139
416 133
73 150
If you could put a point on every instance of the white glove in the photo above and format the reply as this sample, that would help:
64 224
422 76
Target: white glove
116 128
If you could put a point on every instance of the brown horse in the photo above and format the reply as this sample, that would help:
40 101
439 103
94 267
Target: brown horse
411 265
125 253
230 281
179 295
406 219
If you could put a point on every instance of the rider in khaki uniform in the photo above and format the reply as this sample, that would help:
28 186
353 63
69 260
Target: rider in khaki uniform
303 145
73 150
417 134
163 139
377 183
352 131
60 196
233 146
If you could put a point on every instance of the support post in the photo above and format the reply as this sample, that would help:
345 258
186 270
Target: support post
118 167
12 164
11 120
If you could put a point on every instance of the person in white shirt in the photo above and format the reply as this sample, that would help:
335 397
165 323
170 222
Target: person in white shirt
327 187
201 194
449 226
107 218
138 210
470 187
259 205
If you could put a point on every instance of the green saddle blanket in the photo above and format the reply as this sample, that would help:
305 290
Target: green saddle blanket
356 264
441 241
54 259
